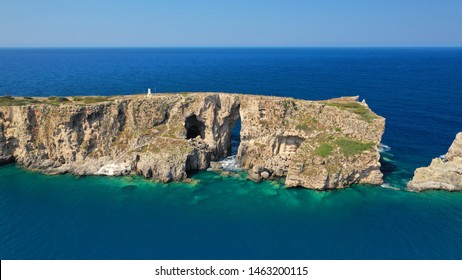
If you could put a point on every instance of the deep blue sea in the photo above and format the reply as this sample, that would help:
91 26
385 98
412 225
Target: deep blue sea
417 90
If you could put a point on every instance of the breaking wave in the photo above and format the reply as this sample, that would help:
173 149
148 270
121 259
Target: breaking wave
230 164
388 186
384 148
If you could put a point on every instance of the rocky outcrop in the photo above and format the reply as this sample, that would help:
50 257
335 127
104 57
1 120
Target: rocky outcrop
319 145
444 173
314 144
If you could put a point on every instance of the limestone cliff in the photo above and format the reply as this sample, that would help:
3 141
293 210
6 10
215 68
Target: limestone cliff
318 145
314 144
444 173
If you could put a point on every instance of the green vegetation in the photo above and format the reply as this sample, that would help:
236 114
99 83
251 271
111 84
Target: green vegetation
307 124
288 104
324 150
328 145
350 147
302 126
94 99
55 100
51 100
356 108
16 101
87 99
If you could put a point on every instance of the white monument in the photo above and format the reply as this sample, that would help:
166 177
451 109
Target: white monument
149 92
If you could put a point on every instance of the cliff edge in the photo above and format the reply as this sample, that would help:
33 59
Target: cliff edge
444 173
314 144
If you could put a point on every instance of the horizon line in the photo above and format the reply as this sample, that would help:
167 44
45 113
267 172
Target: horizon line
226 47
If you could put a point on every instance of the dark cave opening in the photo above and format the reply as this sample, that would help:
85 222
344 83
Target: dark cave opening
194 127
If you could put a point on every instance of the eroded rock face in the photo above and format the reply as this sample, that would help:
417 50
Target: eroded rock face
319 145
443 173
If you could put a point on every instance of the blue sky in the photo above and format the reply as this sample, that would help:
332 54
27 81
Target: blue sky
220 23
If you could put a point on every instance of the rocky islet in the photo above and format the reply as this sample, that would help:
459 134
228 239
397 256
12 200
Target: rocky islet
313 144
444 173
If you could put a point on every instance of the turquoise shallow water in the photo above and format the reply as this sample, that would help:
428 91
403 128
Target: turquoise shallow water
219 217
417 90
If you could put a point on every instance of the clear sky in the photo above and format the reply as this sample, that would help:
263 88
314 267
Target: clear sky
161 23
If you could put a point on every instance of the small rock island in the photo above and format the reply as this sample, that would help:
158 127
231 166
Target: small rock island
164 137
444 173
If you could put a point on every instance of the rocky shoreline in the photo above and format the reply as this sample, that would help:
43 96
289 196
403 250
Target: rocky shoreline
444 173
314 144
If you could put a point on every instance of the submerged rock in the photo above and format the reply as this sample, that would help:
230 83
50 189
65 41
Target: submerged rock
128 188
163 137
444 173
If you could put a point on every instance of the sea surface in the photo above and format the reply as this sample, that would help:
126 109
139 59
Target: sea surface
417 90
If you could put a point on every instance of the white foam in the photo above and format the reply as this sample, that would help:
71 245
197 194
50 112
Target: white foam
230 164
384 148
384 158
388 186
111 169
